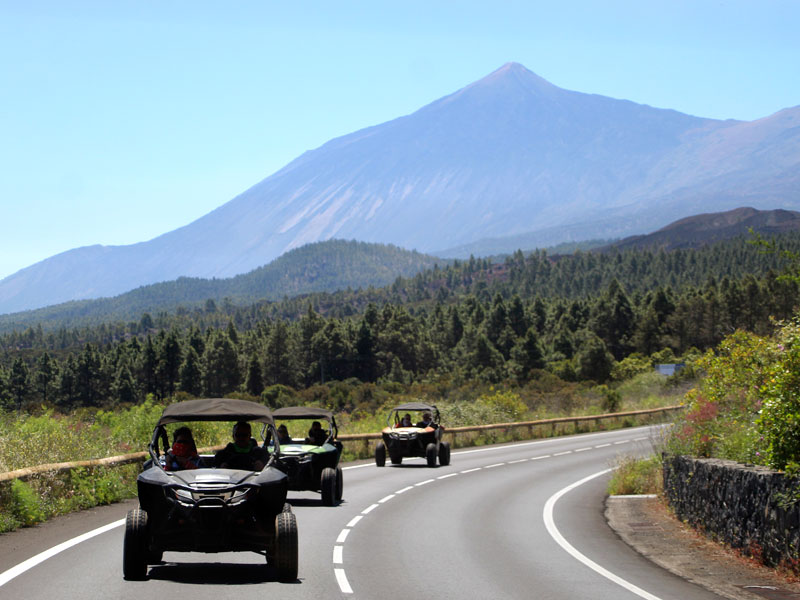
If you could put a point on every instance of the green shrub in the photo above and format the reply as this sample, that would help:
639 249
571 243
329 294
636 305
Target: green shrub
721 413
779 418
637 476
630 366
23 504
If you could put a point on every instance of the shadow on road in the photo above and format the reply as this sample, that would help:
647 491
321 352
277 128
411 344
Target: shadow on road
214 573
310 502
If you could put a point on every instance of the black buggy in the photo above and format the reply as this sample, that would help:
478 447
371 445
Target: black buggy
312 458
400 440
209 509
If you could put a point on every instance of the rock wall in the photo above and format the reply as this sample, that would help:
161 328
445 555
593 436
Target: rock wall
750 508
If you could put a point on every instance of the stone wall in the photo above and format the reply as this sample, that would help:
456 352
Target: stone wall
750 508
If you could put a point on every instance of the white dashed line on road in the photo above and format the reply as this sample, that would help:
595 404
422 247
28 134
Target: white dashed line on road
341 579
338 549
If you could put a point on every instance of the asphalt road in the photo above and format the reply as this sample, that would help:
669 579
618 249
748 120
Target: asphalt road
521 520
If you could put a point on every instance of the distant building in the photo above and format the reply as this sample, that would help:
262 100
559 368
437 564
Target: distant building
670 368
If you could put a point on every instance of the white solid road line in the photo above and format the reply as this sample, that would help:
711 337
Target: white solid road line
556 535
43 556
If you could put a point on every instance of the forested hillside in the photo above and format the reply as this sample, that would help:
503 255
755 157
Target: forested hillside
320 267
581 317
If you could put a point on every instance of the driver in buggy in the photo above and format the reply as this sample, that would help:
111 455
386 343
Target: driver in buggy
317 435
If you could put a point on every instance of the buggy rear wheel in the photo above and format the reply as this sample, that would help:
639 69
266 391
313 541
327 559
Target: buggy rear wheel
339 484
134 548
328 485
285 549
430 454
444 453
380 454
396 459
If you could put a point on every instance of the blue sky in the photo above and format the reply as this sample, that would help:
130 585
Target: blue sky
120 121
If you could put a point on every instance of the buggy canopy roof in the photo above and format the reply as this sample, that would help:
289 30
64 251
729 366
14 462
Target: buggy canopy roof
302 412
215 409
415 406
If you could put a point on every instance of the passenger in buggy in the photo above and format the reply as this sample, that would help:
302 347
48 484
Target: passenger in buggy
183 453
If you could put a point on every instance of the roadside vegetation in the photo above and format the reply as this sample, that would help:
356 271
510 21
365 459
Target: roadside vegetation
746 404
47 436
535 337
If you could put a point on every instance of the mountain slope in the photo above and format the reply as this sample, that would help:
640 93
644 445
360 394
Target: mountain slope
508 155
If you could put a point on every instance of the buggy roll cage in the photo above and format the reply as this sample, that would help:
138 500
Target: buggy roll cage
394 415
213 409
296 413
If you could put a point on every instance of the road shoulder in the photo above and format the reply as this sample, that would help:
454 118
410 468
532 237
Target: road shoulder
646 525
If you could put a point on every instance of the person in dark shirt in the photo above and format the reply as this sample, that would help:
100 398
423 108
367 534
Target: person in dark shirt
426 420
283 435
317 435
243 453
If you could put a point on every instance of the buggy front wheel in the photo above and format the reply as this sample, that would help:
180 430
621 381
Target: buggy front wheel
380 454
285 549
328 484
430 454
134 548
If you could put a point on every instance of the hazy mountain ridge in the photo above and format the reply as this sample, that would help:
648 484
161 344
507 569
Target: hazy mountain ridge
508 155
709 228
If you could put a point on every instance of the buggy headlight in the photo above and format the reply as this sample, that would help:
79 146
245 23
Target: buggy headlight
185 494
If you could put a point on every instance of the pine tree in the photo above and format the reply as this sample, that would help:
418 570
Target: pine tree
190 374
254 381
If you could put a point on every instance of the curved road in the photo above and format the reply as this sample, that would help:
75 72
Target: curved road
522 520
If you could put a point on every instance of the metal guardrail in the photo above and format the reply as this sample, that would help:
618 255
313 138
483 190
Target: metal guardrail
451 432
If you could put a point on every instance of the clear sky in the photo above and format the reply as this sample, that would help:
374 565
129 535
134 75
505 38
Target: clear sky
121 120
